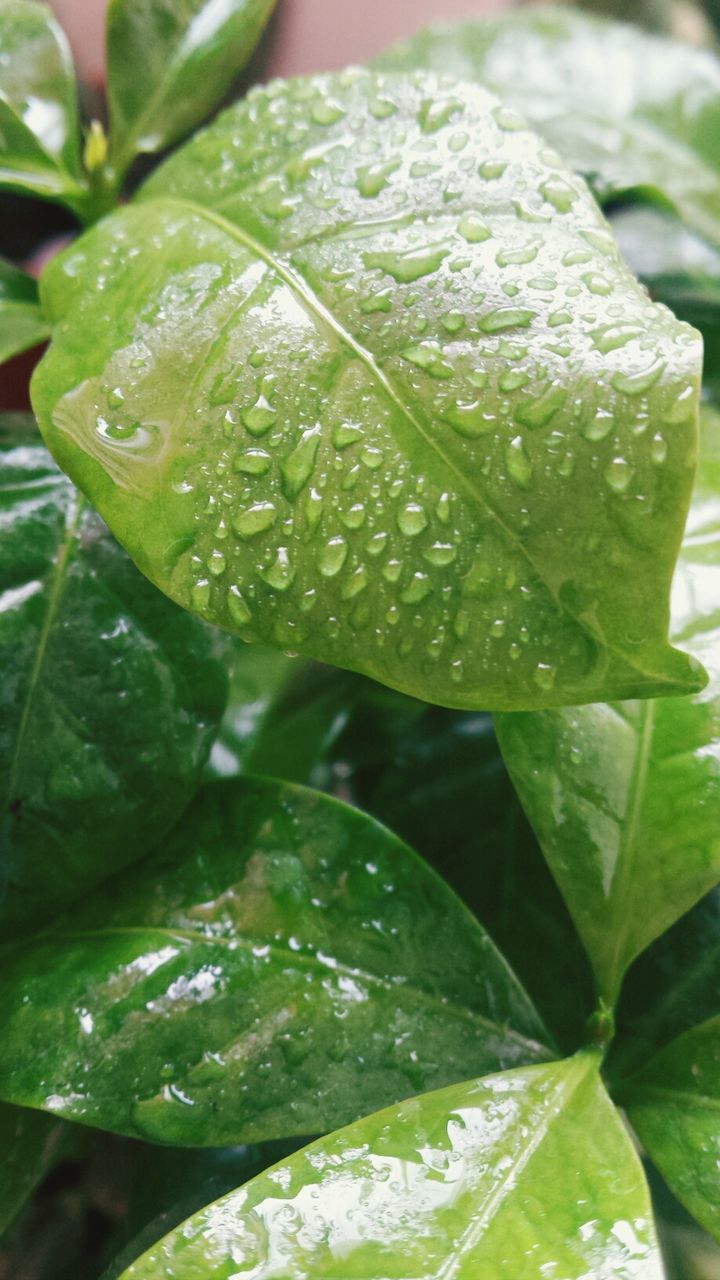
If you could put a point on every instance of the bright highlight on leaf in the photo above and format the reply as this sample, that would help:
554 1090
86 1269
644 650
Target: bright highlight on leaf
353 378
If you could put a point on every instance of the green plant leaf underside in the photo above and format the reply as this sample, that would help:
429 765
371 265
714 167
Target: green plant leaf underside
674 1103
170 64
637 114
39 122
109 697
21 322
282 966
518 1175
625 799
30 1143
390 404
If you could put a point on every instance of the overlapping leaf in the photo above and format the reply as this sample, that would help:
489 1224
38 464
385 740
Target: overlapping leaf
523 1174
21 322
625 799
636 113
362 374
109 697
30 1143
281 966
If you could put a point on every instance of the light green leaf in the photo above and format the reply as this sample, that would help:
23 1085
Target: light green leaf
171 64
282 965
21 321
39 124
519 1175
625 798
109 697
674 1103
30 1144
383 403
636 113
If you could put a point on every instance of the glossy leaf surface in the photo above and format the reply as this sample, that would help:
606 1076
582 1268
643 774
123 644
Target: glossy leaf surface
519 1175
109 698
636 113
21 322
170 64
39 124
384 403
30 1143
625 799
674 1104
284 964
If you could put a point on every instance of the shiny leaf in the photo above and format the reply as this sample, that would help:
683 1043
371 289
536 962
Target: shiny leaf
625 798
30 1144
109 697
281 966
21 322
674 1103
171 63
383 403
519 1175
635 113
39 125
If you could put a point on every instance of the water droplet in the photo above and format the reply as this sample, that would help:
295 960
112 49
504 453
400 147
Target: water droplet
376 545
313 509
659 449
410 265
372 178
281 574
461 623
115 398
435 113
333 556
559 193
600 426
254 462
511 257
200 595
392 570
429 357
442 508
417 589
345 434
452 321
513 379
618 475
597 284
473 228
498 628
354 518
506 318
470 420
216 564
538 413
412 519
636 384
325 111
371 457
518 463
381 108
298 467
544 676
237 608
356 583
259 418
613 336
381 300
257 519
440 553
509 120
491 169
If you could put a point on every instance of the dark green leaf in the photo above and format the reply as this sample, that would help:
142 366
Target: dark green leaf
109 697
633 112
21 322
30 1144
517 1176
39 125
674 1103
380 446
281 966
625 798
171 64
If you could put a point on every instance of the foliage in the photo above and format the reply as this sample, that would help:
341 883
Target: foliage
362 373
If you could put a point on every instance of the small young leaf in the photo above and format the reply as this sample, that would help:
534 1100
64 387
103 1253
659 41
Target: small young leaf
39 125
674 1104
517 1176
170 64
625 799
635 113
30 1144
109 697
21 322
409 435
281 966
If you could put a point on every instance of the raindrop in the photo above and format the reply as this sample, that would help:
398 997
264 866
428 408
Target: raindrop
257 519
298 467
618 475
280 575
332 557
518 463
237 608
412 519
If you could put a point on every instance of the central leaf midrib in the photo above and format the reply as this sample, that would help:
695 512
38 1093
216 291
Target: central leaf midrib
285 954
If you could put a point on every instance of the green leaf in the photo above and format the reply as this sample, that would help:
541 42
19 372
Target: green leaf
282 965
30 1145
380 446
171 64
109 699
625 798
674 1104
21 322
39 124
519 1175
635 113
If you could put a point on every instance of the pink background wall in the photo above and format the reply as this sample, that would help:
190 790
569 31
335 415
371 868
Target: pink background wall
311 35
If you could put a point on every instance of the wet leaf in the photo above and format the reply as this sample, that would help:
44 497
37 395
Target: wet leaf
384 404
282 965
109 699
30 1145
21 322
39 124
625 798
171 64
514 1176
636 113
674 1103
